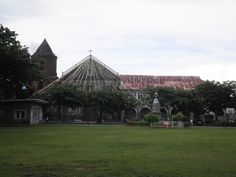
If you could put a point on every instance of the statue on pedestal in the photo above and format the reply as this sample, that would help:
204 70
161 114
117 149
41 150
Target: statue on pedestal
156 104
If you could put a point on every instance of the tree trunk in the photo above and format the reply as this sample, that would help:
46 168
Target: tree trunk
99 121
59 111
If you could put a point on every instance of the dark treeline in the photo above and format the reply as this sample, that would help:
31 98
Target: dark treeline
206 97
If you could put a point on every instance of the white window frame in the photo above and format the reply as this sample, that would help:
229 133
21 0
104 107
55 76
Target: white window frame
20 114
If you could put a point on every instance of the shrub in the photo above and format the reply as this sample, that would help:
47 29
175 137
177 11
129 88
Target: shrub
179 117
152 119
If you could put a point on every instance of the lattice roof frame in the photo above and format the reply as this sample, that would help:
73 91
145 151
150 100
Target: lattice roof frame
92 68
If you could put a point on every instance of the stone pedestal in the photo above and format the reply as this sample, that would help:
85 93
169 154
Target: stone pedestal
156 105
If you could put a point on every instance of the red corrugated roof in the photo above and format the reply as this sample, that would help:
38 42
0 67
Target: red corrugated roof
142 81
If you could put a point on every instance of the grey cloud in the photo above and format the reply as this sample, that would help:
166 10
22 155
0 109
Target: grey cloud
18 9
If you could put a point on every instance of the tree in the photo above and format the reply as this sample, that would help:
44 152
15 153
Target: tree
123 101
109 102
184 101
63 96
187 101
16 69
216 96
101 102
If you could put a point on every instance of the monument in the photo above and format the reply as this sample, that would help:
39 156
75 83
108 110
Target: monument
156 104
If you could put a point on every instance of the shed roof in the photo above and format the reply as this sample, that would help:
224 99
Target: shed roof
39 101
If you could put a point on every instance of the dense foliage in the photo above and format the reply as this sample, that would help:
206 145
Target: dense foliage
109 102
216 96
208 96
151 117
100 102
16 69
179 117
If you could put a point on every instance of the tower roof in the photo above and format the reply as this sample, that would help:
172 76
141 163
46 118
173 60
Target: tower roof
90 71
44 50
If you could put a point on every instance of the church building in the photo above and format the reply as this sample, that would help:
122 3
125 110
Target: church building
90 74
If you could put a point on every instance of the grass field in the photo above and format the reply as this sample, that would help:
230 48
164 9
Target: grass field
109 151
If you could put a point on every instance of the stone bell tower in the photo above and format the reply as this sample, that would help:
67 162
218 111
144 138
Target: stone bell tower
47 61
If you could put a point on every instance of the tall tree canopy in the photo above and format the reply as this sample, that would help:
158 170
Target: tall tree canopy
109 102
217 96
187 101
101 102
16 69
184 101
208 96
62 95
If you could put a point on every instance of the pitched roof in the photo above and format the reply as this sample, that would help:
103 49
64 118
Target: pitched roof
44 50
90 74
140 82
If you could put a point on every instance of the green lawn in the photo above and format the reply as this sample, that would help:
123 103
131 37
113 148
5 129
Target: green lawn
109 151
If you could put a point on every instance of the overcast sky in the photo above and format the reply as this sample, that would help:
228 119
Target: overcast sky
148 37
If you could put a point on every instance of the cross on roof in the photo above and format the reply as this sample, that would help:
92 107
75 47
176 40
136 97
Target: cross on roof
90 51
